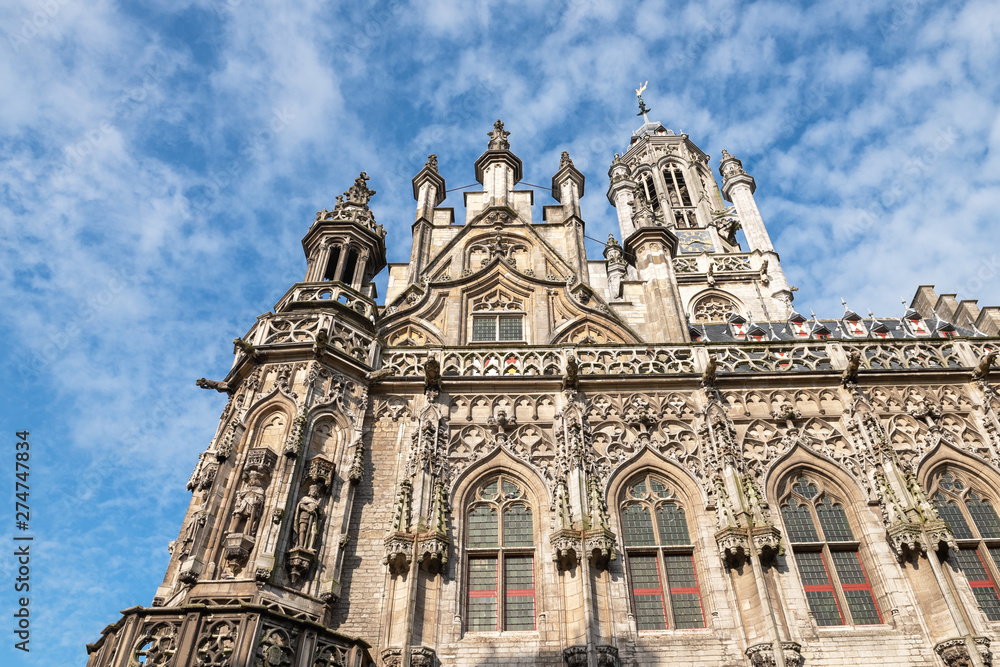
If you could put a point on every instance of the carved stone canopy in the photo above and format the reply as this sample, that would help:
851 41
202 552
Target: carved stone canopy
566 548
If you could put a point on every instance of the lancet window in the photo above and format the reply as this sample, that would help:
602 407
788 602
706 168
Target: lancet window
647 192
827 554
677 189
500 574
660 556
976 527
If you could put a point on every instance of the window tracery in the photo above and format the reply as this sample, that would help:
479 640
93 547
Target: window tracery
497 316
974 522
500 546
660 556
714 308
827 554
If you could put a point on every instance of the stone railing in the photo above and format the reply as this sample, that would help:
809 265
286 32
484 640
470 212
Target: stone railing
296 329
200 635
719 263
319 294
770 357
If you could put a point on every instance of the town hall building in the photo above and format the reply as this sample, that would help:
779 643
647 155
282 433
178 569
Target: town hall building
525 455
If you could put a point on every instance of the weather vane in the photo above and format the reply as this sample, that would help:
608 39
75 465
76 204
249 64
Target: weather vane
643 109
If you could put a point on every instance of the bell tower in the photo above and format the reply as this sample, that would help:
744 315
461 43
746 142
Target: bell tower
679 237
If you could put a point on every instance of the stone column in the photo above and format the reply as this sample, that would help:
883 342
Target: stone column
620 195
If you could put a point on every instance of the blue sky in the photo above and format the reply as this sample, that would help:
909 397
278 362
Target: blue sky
160 162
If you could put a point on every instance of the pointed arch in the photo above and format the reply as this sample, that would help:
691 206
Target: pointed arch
413 332
275 403
499 459
498 527
328 436
802 456
585 329
646 458
964 493
714 306
654 504
827 543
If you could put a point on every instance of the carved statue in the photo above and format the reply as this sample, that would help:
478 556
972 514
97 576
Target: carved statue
432 163
221 387
982 370
850 375
498 137
432 374
708 377
359 192
307 516
565 161
572 379
249 503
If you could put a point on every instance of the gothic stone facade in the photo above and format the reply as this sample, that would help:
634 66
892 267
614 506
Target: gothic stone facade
529 456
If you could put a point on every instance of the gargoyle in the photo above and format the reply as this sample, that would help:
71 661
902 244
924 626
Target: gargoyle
322 338
380 374
850 374
982 370
432 374
572 377
221 387
708 377
240 345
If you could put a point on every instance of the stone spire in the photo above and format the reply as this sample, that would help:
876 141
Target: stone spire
738 187
498 169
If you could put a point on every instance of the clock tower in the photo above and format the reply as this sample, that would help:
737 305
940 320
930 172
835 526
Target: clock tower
687 266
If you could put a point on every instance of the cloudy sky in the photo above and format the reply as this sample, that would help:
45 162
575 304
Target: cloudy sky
160 162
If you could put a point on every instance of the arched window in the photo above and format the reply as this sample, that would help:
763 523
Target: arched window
500 539
827 554
677 189
331 266
497 317
660 556
976 527
713 309
647 192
